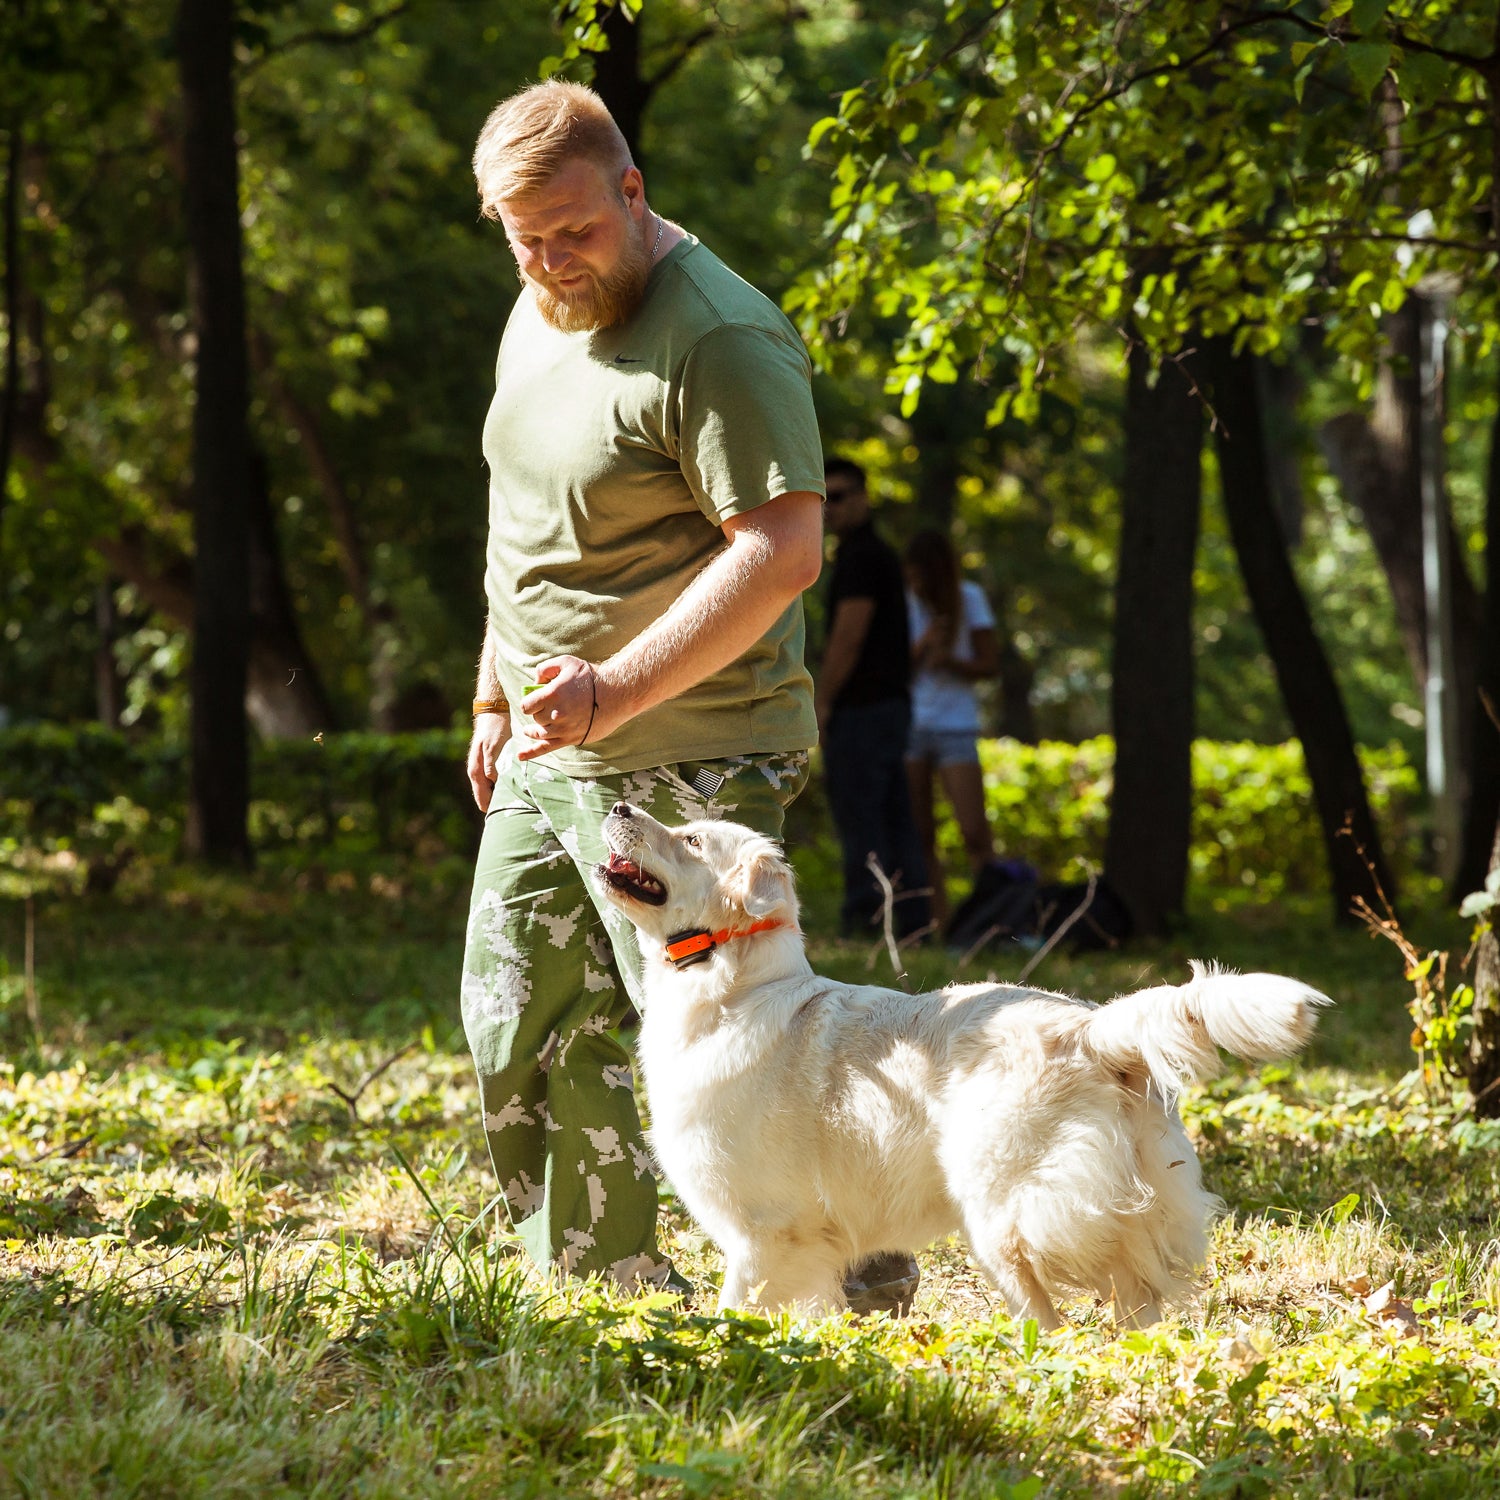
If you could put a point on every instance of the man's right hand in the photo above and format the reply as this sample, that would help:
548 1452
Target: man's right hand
491 731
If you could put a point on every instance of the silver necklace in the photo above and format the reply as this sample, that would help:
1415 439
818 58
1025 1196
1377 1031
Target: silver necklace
661 229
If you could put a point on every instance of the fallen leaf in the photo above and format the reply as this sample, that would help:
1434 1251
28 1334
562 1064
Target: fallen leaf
1245 1348
1390 1312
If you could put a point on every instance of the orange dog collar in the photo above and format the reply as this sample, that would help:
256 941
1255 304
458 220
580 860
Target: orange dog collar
695 947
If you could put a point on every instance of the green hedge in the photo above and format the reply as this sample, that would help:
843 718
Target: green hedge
1254 823
75 794
71 795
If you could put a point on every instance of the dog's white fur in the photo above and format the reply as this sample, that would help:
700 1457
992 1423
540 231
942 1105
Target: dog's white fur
807 1124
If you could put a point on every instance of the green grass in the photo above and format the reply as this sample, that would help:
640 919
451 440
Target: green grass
218 1276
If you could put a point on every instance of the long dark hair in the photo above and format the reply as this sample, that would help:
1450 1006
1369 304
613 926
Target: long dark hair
932 569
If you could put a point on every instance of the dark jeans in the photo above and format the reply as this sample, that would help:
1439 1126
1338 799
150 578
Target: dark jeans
864 750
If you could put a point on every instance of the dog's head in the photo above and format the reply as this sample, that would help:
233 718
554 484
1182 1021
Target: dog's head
703 877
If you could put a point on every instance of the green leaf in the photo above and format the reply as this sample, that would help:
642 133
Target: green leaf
1366 14
1249 1383
1421 76
1344 1207
1367 62
1030 1337
823 126
1101 168
1301 51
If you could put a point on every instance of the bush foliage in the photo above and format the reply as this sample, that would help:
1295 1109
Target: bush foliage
1254 823
75 796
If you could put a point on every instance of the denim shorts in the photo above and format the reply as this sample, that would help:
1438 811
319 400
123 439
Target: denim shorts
947 747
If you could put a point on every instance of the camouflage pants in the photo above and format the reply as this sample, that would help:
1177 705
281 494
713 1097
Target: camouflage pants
549 971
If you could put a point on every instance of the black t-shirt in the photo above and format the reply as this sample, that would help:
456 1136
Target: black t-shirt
865 567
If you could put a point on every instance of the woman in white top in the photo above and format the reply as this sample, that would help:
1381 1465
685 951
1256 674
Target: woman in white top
953 646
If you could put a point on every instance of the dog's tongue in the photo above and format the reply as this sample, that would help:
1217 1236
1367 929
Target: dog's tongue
617 864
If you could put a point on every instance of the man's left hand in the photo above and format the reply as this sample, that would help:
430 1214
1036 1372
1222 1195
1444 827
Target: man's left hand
570 708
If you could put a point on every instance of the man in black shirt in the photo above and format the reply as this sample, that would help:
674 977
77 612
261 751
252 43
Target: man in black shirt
864 711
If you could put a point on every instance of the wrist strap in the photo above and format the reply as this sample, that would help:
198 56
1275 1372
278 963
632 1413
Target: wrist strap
491 706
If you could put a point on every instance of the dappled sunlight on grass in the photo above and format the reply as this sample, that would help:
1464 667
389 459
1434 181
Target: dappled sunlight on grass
248 1245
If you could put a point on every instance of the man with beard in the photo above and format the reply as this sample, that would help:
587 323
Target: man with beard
655 489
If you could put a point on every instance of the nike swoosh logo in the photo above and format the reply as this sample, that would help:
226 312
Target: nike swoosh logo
624 359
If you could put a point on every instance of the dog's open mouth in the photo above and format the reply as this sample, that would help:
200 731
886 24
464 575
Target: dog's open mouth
625 875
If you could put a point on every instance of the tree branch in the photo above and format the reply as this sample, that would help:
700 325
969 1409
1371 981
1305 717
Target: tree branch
680 54
326 37
1402 39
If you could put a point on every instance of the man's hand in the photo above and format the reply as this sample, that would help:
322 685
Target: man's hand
572 707
491 731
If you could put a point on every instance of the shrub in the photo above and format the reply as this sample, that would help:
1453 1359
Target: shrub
75 795
1254 823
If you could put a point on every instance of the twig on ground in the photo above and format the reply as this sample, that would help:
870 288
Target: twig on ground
888 900
33 1006
352 1100
992 931
64 1152
1063 928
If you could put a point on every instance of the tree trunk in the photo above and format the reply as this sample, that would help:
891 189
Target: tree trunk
1482 1062
108 698
10 398
1377 461
1150 815
1483 810
219 781
1016 675
1280 395
289 699
617 76
1308 686
381 625
283 690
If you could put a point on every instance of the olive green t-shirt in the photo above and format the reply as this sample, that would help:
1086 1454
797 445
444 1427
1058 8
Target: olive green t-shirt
614 458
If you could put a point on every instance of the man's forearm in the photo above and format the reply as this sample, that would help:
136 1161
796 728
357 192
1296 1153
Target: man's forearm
835 670
727 608
487 683
847 632
772 554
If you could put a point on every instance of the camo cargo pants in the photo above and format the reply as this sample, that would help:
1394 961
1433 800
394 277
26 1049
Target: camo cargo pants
549 971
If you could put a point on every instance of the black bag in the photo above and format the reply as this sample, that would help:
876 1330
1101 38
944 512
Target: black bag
1001 908
1105 923
1009 903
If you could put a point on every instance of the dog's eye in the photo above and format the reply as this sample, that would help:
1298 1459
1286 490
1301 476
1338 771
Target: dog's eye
693 841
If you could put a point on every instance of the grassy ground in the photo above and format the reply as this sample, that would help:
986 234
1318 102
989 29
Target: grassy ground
243 1251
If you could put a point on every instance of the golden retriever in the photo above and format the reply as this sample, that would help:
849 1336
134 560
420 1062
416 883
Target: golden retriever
807 1123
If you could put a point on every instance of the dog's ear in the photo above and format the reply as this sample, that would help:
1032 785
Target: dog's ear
761 882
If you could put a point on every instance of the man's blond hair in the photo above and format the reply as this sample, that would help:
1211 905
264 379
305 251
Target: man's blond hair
531 135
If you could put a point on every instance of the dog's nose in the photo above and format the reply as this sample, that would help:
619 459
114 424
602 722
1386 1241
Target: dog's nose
621 809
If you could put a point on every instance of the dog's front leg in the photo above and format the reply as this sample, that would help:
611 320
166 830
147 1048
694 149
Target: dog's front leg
738 1282
767 1277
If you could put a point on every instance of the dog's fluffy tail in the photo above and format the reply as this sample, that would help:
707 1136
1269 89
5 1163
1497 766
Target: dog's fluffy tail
1175 1032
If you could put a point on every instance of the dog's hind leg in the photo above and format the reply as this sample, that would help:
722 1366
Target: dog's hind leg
1136 1305
1007 1266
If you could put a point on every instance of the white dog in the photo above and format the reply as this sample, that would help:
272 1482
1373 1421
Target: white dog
807 1124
